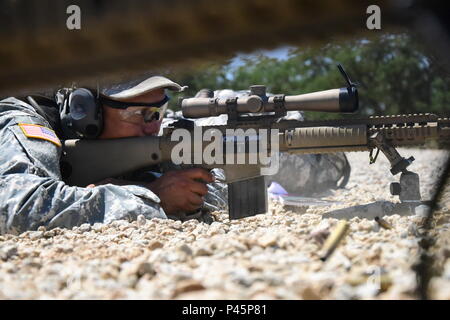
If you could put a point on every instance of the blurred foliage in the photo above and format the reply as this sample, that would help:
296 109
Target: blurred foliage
394 73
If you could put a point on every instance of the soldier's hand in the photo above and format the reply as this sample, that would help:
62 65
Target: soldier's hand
181 190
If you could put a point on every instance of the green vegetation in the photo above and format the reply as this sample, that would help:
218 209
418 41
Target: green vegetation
394 73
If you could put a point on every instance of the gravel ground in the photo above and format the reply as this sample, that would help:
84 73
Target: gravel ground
271 256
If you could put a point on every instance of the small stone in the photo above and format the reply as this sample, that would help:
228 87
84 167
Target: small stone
8 252
35 235
85 227
97 227
207 294
141 220
57 231
365 225
9 267
320 235
288 221
64 248
143 243
155 244
131 272
309 294
115 224
351 253
285 243
186 249
41 228
188 285
202 251
168 232
189 224
267 240
145 268
49 234
177 225
374 253
216 228
32 264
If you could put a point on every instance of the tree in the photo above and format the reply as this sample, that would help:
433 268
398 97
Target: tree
395 75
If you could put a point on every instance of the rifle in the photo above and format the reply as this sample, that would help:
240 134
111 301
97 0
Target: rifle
88 161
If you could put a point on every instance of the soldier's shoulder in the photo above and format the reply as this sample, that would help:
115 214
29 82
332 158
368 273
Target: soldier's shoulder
13 110
12 103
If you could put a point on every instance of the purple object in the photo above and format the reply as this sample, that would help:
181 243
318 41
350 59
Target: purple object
276 188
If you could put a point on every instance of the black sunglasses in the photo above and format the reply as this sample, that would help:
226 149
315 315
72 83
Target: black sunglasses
124 105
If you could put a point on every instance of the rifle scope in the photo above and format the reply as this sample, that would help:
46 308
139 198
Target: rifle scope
334 100
343 100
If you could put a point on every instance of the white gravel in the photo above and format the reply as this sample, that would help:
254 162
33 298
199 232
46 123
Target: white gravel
271 256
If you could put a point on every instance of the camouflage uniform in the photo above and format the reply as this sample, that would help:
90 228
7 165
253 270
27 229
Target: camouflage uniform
32 193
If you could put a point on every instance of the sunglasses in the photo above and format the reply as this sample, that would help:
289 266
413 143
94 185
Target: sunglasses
138 112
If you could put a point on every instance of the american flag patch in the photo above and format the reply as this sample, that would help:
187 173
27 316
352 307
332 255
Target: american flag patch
40 132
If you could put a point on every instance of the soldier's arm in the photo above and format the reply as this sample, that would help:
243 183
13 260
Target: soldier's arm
32 193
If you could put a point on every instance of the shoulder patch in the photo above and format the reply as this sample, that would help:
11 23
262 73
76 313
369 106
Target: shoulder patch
39 132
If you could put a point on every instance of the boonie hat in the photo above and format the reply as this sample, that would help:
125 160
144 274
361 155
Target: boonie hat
138 88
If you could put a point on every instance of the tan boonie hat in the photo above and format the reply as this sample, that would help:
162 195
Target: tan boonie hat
131 89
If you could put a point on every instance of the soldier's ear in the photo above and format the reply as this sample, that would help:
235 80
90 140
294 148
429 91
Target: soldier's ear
83 114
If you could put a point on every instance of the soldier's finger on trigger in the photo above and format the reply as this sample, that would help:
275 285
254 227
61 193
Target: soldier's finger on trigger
198 187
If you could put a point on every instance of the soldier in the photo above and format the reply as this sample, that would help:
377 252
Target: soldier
32 190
